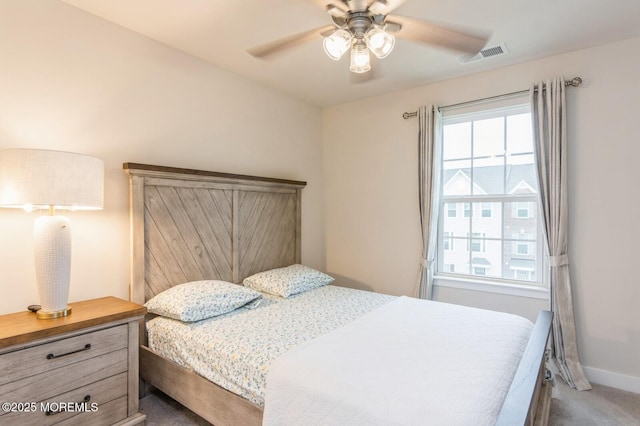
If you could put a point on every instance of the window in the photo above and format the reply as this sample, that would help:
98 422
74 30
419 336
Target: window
486 209
467 209
522 210
451 210
488 172
522 247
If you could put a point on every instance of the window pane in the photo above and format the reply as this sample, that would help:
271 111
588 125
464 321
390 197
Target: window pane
487 219
521 178
458 259
456 177
457 226
457 141
488 176
522 267
488 137
519 134
488 262
515 228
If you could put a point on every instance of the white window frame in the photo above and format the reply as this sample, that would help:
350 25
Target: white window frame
538 289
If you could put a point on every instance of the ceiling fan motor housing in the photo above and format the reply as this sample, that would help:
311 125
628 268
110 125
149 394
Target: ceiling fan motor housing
359 23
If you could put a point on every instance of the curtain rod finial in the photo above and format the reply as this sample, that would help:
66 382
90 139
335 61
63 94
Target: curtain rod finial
575 82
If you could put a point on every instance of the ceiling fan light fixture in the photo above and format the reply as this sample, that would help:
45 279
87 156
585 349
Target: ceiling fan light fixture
337 44
379 42
360 59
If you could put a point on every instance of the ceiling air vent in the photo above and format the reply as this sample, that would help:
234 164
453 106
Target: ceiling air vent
500 49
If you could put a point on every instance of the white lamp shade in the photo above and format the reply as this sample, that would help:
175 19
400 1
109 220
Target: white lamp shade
41 178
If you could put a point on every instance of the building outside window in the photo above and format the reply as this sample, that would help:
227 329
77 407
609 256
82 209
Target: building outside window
488 173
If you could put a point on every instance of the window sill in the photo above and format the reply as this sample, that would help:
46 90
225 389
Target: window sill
492 287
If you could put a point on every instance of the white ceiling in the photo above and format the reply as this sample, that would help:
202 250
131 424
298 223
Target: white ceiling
220 31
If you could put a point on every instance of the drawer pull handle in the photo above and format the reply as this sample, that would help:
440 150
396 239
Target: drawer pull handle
86 348
62 409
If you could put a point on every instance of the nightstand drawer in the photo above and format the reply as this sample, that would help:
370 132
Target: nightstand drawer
48 356
87 401
109 413
55 382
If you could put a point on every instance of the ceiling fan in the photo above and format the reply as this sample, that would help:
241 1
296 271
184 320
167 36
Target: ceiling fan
364 26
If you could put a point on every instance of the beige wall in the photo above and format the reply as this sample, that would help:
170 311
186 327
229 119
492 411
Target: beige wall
70 81
371 211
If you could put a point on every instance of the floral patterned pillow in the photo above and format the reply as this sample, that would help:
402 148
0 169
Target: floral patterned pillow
198 300
287 281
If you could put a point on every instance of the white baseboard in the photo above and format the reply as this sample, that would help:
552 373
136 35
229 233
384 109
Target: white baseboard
611 379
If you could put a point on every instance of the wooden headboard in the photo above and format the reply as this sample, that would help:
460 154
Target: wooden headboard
189 225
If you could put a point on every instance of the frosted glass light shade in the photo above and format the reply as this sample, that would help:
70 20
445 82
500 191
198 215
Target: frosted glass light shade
360 59
337 44
42 178
379 42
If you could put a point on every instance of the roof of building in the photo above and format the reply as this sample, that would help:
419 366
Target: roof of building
497 179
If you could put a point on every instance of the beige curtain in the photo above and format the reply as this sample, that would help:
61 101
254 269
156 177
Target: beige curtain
429 118
548 106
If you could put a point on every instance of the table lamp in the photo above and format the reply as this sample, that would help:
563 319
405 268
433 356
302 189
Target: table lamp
40 179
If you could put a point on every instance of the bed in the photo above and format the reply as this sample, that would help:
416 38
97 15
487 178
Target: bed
189 225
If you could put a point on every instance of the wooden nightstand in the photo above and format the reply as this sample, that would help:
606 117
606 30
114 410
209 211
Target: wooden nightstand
77 370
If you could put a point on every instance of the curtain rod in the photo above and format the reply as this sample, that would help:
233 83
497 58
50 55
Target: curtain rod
574 82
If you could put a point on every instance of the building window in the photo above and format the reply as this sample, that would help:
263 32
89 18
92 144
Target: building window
486 209
477 243
488 171
447 241
523 248
522 210
451 210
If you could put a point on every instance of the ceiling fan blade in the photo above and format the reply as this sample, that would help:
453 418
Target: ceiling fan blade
384 7
325 4
277 46
424 32
357 5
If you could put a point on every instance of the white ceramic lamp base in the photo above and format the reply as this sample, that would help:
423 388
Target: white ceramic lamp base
52 244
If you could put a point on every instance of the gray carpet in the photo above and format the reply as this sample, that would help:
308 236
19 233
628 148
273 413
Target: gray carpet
601 406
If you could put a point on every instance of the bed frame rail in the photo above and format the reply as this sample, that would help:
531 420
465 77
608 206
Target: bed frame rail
527 402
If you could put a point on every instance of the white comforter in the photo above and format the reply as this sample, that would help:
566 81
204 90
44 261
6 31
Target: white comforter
409 362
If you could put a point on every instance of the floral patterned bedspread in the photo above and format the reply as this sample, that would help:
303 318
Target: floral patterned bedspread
235 350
